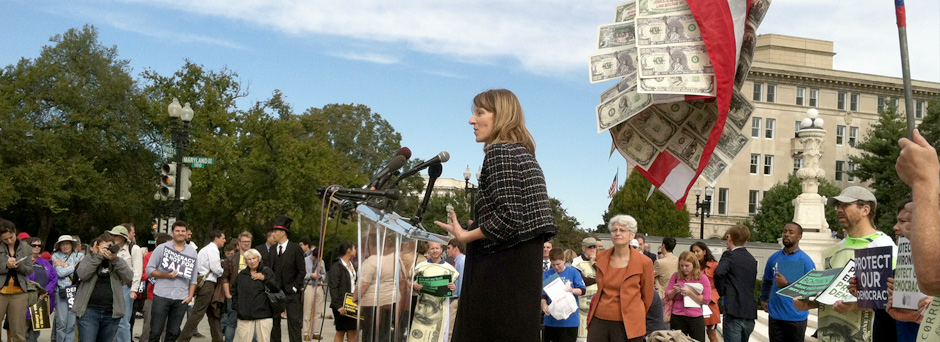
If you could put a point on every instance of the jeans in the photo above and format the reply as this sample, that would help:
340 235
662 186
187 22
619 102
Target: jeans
124 328
64 321
736 329
783 331
229 321
166 314
97 326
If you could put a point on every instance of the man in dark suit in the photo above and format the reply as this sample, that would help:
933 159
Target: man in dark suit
286 259
735 277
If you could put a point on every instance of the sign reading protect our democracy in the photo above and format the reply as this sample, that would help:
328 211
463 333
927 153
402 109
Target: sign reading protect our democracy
173 260
906 292
873 267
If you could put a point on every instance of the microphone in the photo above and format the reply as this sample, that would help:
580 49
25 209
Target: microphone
433 172
392 166
361 194
442 157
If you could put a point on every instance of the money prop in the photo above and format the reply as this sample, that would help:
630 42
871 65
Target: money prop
620 108
674 60
688 85
612 65
431 313
625 12
616 35
633 147
660 7
667 30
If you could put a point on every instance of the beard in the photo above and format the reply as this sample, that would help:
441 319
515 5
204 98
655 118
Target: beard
788 243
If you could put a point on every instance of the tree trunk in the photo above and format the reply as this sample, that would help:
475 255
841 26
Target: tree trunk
45 224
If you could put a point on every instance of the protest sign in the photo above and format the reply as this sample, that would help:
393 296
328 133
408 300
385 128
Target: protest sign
873 267
70 295
906 291
825 286
436 285
173 260
39 315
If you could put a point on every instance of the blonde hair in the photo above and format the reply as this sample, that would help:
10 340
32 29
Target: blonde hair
509 121
689 257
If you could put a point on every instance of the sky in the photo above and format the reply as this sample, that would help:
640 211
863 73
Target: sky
418 63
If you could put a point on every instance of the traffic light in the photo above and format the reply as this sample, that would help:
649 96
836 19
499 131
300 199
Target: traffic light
168 180
185 183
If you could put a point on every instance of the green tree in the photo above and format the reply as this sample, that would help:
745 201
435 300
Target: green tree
876 165
74 123
657 216
568 234
357 132
777 209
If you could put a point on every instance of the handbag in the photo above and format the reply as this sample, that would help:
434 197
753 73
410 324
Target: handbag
277 299
667 303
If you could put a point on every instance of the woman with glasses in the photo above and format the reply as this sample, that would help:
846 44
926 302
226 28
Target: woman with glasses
624 287
45 275
503 265
65 258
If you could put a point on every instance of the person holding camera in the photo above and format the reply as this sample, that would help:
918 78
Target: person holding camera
99 301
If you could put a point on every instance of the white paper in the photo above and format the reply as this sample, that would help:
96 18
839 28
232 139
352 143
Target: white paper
687 301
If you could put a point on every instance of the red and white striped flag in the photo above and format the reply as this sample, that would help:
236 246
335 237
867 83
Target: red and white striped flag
722 26
614 185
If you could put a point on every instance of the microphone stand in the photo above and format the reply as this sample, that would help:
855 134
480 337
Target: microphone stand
433 173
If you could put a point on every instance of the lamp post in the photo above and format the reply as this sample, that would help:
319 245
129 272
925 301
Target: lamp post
471 189
703 209
180 135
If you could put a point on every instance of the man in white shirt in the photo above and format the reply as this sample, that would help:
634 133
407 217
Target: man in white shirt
209 267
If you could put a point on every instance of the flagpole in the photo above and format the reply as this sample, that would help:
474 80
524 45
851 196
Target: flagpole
905 66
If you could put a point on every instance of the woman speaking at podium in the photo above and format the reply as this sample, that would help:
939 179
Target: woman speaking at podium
500 296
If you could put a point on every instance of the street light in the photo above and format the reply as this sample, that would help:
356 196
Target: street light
180 136
471 189
703 209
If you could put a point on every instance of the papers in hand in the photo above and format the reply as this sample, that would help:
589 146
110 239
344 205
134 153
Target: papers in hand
563 302
687 301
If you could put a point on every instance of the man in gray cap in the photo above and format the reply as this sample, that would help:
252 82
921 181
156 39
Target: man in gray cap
855 208
588 250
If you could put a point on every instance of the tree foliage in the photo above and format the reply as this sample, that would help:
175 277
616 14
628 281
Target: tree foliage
568 234
777 209
657 216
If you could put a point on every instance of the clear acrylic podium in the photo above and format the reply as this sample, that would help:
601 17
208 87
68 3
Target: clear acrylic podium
387 248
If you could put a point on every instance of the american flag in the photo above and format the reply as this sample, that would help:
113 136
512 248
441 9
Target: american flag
613 186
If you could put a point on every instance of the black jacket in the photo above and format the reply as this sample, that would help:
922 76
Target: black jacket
339 284
735 277
248 297
289 268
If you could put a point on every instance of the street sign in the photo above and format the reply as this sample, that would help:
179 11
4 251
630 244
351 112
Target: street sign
199 162
168 149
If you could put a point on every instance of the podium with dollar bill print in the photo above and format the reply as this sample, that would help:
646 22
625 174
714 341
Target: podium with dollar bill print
387 249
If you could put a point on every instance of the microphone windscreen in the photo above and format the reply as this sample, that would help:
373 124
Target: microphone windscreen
404 151
443 156
435 170
397 162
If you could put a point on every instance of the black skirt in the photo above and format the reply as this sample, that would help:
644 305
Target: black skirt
501 295
343 323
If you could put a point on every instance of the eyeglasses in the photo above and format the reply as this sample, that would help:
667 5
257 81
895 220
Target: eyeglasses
591 246
36 246
619 231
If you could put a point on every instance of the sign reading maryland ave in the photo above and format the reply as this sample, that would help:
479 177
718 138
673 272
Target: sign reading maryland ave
199 162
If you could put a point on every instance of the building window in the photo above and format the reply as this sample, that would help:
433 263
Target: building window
771 93
919 110
800 94
769 130
840 135
814 97
755 162
797 163
796 129
757 91
882 102
768 165
752 201
840 104
851 176
853 136
755 127
853 105
723 201
840 169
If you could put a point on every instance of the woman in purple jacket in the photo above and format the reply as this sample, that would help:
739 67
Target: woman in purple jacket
45 274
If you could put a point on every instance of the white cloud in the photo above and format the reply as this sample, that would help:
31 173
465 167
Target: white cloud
366 57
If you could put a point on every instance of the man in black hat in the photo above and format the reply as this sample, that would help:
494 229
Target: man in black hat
286 259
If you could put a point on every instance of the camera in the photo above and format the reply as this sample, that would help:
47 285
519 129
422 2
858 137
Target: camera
114 249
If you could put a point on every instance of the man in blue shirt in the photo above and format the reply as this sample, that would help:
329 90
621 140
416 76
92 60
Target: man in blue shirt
172 267
455 251
783 267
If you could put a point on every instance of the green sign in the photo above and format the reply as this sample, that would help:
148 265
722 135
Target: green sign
199 162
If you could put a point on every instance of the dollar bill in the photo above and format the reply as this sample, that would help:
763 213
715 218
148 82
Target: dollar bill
674 60
660 7
654 127
740 110
634 147
625 12
687 84
703 118
427 324
716 165
677 112
687 147
616 35
621 108
746 56
611 65
731 141
620 87
670 29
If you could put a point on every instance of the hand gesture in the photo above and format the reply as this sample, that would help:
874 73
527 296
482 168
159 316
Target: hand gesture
853 286
800 304
11 262
257 276
173 274
918 162
453 227
452 287
106 253
781 280
342 311
417 287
